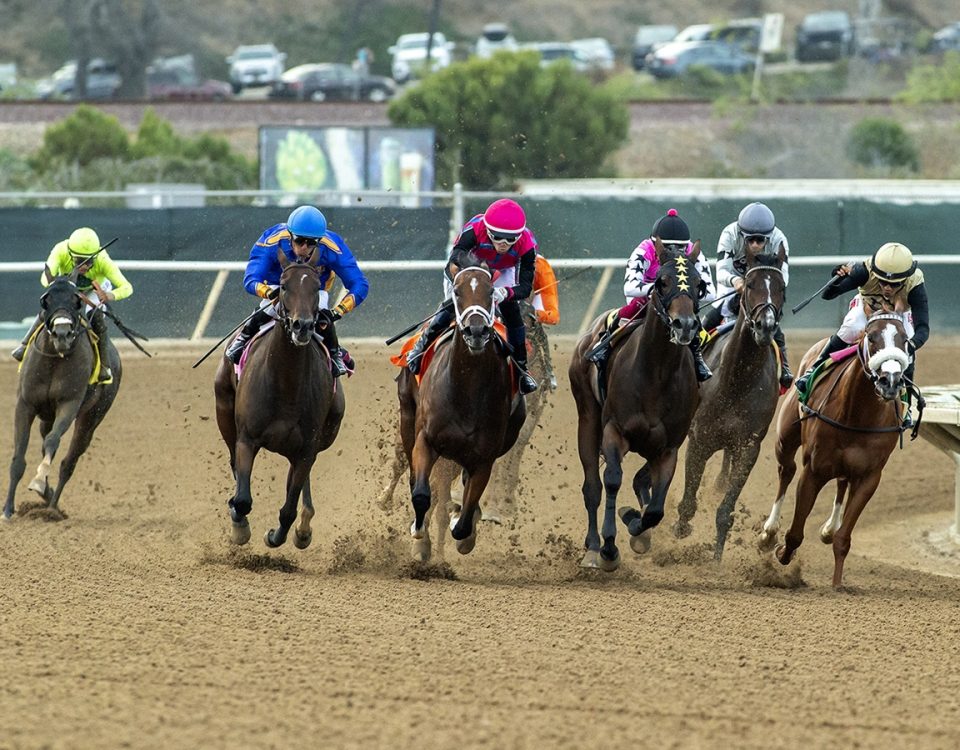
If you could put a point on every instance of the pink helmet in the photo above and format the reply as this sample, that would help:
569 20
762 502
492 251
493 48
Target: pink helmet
504 217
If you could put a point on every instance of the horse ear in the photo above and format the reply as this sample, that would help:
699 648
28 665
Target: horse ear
900 304
74 275
661 250
282 257
454 268
312 260
695 252
45 300
781 256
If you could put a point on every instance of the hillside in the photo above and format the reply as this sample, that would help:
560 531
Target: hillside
34 34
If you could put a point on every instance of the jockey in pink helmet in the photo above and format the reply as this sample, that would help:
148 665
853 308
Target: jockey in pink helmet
499 237
640 276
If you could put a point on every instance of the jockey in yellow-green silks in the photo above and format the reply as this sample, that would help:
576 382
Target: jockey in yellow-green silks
99 279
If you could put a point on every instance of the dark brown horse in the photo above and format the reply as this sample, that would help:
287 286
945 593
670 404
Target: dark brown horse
848 429
284 402
651 398
738 402
55 387
464 408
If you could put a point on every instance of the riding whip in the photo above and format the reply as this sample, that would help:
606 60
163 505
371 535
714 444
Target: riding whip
813 296
229 334
131 335
449 303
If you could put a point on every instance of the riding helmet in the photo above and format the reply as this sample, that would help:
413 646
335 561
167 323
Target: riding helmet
756 219
671 228
84 242
893 262
307 221
505 216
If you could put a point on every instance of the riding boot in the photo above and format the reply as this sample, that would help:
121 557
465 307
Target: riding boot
599 352
517 339
786 377
18 353
712 318
703 372
835 344
98 323
235 350
332 342
438 325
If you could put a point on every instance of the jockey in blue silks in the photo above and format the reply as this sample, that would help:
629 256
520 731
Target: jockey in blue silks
304 231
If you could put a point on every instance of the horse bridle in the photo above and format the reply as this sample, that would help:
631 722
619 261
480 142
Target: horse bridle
662 301
62 315
279 307
761 307
872 363
463 315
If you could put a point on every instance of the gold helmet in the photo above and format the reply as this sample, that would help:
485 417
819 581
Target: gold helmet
893 262
83 242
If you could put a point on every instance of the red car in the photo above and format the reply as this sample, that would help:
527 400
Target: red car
178 84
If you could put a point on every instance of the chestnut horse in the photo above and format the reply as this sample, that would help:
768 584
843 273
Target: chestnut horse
738 402
848 428
285 402
463 409
55 386
652 395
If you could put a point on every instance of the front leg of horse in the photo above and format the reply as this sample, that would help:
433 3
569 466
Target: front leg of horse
51 443
463 527
661 474
242 502
23 421
696 461
831 525
740 466
612 480
296 478
422 461
303 534
808 488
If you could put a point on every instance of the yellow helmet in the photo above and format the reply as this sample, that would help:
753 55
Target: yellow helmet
83 242
893 262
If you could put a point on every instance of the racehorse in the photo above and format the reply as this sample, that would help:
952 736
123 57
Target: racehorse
505 478
738 402
285 402
464 408
848 428
55 385
652 395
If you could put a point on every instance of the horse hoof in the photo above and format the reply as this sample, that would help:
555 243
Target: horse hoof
682 529
609 565
302 541
640 543
240 533
415 532
781 554
270 539
826 535
465 546
39 486
591 559
767 540
421 550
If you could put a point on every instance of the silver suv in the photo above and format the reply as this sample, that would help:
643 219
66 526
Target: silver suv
255 65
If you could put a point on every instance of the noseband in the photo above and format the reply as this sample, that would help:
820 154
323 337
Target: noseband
762 307
463 315
281 310
662 303
873 363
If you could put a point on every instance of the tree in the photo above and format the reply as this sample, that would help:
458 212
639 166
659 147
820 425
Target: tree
508 117
883 145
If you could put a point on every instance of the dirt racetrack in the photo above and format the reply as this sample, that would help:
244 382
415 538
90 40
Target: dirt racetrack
133 623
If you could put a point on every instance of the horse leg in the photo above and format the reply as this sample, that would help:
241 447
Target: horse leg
661 475
463 527
613 451
742 461
831 525
397 468
242 501
642 488
506 471
421 464
695 462
303 534
296 478
225 398
83 430
588 442
808 488
860 493
788 441
22 422
445 472
66 414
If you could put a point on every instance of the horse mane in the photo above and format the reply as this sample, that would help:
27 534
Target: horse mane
467 259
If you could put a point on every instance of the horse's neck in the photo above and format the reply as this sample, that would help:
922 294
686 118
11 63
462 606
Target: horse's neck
279 348
469 373
854 396
654 333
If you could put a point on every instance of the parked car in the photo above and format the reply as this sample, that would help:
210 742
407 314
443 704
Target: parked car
698 32
332 82
410 55
493 38
646 39
103 81
255 65
744 33
181 84
597 52
552 52
946 39
825 36
676 58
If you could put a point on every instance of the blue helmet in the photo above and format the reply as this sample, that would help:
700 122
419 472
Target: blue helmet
307 221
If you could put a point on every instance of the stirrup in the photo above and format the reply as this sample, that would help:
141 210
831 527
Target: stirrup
337 366
106 376
19 352
786 377
527 384
235 350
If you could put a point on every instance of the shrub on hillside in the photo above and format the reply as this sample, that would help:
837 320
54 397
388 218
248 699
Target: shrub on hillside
507 117
882 144
87 134
934 83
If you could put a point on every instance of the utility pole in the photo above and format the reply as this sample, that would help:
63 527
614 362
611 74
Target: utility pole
432 29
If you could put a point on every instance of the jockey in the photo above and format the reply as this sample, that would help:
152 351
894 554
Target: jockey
640 276
499 237
889 281
756 229
304 231
99 280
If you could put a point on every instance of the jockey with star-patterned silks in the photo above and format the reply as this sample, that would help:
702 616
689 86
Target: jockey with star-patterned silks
640 276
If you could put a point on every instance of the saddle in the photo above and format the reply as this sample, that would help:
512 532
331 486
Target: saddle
707 338
818 372
318 339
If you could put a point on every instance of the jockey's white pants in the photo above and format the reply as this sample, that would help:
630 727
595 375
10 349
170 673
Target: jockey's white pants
856 320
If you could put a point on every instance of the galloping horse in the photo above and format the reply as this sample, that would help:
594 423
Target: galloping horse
55 385
652 395
738 402
285 402
848 428
464 408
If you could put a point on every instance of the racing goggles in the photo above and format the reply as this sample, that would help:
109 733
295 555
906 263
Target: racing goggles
308 241
509 237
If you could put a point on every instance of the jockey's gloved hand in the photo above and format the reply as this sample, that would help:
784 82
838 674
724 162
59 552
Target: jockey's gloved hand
266 291
500 294
327 317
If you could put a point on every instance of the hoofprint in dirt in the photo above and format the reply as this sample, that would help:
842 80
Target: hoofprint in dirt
132 622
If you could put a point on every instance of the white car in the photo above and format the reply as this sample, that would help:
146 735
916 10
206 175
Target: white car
255 65
493 38
597 50
552 52
410 55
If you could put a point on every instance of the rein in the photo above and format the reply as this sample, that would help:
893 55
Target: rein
683 288
759 308
279 307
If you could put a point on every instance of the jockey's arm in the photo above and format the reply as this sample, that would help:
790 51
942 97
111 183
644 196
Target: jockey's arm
345 266
634 278
920 312
706 277
104 267
857 277
525 275
260 267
